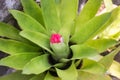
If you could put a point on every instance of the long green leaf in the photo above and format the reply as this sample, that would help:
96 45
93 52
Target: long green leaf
38 38
114 69
92 67
68 11
37 65
16 76
33 9
50 77
50 15
90 29
38 77
65 32
108 59
68 74
113 28
83 51
88 76
101 44
12 47
88 12
9 31
18 61
26 22
68 14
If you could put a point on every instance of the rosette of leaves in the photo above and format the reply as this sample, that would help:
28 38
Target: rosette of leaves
33 57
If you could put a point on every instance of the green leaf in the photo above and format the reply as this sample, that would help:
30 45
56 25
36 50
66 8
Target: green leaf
65 32
114 69
68 11
113 29
68 14
12 47
68 73
101 44
88 76
58 1
90 29
88 12
33 9
83 51
61 64
9 31
37 65
38 38
19 60
26 22
16 76
116 36
92 67
50 15
108 59
38 77
50 77
96 58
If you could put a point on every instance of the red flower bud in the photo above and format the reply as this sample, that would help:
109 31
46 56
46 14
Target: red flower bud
56 38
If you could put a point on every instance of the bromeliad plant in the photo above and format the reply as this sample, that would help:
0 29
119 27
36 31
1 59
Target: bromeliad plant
57 43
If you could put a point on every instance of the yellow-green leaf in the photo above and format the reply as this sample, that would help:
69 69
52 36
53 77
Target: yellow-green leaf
40 39
50 15
101 44
19 60
39 76
51 77
16 76
90 29
68 11
26 22
37 65
92 67
108 59
114 69
88 76
12 47
68 74
11 32
33 9
88 12
83 51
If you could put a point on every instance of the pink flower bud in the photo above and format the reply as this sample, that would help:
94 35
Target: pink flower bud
56 38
